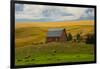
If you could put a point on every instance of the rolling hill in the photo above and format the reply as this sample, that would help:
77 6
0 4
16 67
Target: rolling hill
28 33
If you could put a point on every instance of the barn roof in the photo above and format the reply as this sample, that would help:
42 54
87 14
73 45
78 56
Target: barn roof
56 32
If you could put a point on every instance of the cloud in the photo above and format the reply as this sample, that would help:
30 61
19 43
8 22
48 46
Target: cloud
50 13
88 14
19 7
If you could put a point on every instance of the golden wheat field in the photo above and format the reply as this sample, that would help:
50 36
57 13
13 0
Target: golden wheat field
53 24
32 32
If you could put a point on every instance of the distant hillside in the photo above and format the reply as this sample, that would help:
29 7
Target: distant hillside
27 33
54 24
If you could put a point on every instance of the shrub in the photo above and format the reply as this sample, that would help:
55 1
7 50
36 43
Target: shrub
33 59
19 60
69 37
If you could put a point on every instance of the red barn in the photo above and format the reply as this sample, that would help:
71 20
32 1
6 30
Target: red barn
56 35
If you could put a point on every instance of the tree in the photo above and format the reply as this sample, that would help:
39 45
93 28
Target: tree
78 37
69 36
90 39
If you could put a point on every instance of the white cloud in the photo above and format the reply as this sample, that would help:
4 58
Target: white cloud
76 11
29 12
53 12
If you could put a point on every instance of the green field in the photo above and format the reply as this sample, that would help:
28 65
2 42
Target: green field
54 53
32 49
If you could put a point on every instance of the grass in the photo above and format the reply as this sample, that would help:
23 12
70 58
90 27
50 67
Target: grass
51 53
61 58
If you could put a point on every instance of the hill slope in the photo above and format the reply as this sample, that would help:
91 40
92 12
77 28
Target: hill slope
28 33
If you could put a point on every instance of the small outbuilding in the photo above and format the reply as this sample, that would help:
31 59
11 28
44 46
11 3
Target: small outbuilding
56 35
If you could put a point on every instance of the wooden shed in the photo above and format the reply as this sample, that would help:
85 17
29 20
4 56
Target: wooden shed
56 35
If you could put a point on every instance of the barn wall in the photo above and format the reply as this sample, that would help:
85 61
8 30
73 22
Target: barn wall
63 36
52 39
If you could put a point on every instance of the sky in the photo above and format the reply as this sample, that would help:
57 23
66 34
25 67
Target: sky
45 13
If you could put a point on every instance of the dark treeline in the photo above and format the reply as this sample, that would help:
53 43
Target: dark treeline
88 38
